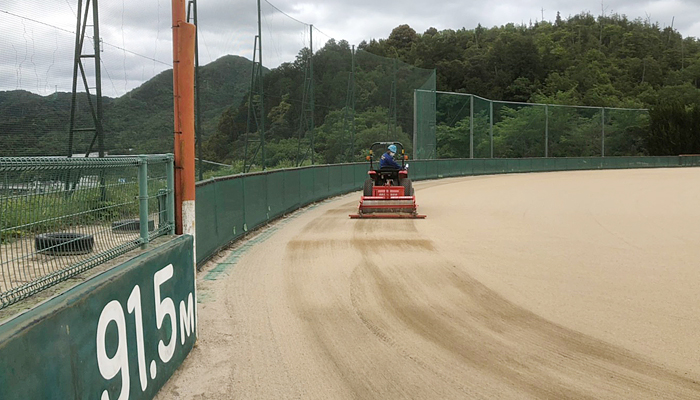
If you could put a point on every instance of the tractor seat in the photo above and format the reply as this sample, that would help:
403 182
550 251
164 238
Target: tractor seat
388 170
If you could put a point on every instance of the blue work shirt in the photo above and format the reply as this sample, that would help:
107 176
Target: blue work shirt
388 161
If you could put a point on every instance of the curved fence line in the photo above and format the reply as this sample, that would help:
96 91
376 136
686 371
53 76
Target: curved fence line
229 207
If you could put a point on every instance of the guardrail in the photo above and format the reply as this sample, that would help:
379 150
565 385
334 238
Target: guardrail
62 216
229 207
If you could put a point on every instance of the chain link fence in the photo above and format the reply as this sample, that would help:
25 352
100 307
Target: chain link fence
471 126
62 216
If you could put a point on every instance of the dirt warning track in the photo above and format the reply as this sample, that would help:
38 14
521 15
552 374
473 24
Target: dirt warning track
567 285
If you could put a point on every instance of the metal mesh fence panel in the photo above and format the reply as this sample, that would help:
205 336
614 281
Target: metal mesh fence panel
60 217
482 127
471 126
518 130
574 131
424 123
625 132
452 124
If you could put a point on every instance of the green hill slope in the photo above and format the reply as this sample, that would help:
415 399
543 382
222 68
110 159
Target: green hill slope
141 121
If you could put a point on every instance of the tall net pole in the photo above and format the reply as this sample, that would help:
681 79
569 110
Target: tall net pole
250 106
78 67
352 98
349 118
306 122
256 107
260 90
311 89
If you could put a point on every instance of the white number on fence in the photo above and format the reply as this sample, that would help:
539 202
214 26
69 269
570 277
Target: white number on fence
113 312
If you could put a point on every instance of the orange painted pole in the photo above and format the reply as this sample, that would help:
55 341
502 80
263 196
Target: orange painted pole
179 15
183 104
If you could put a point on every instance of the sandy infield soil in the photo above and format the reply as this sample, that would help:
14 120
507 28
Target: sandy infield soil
566 285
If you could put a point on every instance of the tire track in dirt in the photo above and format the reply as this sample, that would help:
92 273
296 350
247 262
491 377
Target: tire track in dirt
333 308
484 332
514 345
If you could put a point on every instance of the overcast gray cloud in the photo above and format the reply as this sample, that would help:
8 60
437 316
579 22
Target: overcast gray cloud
137 33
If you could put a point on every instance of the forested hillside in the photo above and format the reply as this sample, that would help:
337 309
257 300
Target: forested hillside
140 121
288 96
606 61
584 60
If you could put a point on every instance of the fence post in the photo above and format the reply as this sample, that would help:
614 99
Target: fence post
546 131
471 126
143 200
602 132
170 199
491 124
415 124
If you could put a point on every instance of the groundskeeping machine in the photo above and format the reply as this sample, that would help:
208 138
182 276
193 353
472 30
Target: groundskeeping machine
387 192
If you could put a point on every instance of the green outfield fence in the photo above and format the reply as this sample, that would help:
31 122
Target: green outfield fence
62 216
229 207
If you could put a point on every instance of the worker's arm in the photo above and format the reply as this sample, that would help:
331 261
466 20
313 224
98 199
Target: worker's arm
389 160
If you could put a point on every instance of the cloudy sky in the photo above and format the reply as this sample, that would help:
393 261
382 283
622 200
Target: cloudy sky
36 46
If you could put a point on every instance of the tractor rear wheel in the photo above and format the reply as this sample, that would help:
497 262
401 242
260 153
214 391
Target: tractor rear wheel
367 189
407 186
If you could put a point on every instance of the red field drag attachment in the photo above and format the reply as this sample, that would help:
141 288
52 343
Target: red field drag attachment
387 202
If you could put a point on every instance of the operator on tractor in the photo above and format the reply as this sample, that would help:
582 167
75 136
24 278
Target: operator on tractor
387 159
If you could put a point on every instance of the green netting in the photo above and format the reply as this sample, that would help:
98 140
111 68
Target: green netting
384 95
323 102
452 124
424 123
37 55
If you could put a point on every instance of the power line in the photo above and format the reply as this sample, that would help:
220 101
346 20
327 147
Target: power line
323 33
104 67
71 7
284 13
73 33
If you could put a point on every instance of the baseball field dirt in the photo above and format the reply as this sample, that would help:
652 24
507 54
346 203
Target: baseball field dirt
566 285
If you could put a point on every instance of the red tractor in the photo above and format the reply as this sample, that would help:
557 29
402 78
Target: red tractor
388 191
